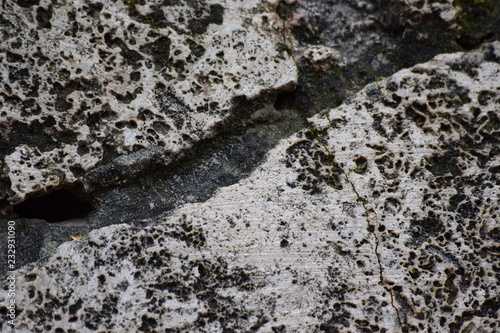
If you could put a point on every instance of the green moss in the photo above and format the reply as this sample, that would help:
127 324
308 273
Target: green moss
159 50
155 18
361 165
359 171
131 56
415 273
187 227
464 98
285 11
442 164
378 149
453 103
479 21
456 199
493 123
269 7
315 134
196 49
71 16
329 160
200 25
284 47
428 266
130 3
405 83
438 293
335 187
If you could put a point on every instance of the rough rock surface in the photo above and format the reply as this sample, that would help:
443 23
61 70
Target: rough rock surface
359 41
79 126
382 216
93 90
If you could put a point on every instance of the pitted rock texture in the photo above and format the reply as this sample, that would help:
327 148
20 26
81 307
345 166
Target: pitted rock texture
421 151
380 217
86 82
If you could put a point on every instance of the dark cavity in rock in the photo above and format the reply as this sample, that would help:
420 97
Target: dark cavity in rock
56 206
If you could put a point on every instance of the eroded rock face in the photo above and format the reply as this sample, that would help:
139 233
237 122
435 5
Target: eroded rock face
382 216
87 82
361 41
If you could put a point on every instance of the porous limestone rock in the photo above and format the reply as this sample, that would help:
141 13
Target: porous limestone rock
339 47
86 82
382 216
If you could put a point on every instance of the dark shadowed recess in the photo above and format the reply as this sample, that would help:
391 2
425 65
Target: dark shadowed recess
56 206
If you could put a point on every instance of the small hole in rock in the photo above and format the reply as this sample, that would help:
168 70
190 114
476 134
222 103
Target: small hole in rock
56 206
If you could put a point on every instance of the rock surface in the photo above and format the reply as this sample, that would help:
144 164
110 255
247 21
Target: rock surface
94 91
381 216
126 104
363 40
97 103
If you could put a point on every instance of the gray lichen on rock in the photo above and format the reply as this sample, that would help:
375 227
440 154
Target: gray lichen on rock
381 216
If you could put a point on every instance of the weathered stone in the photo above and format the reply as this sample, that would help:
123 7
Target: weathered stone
336 53
371 39
88 84
381 216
